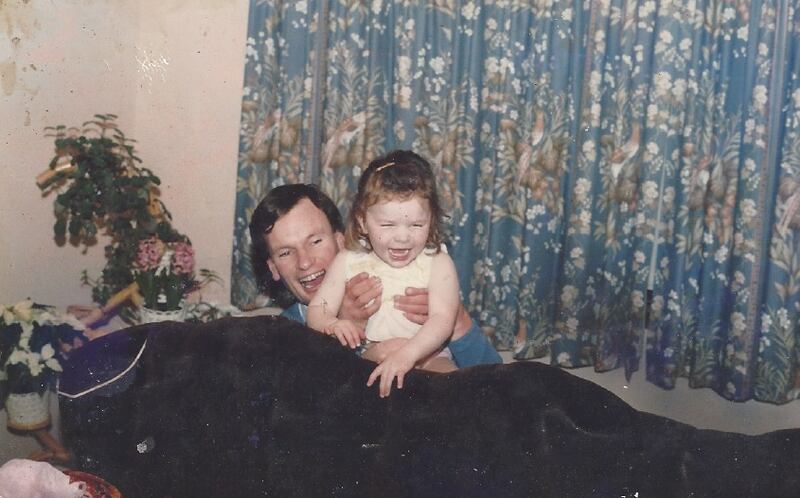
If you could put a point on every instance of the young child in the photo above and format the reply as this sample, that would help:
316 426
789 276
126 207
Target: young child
394 232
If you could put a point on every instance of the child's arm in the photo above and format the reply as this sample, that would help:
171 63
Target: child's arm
324 306
443 303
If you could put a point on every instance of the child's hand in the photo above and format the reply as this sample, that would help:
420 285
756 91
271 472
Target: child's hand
396 365
378 352
348 333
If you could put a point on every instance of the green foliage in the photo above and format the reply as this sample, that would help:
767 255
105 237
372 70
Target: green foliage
102 190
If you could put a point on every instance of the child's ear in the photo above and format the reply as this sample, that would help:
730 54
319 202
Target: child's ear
339 238
361 225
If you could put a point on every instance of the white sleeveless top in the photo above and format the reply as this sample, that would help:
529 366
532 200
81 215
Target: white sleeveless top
389 322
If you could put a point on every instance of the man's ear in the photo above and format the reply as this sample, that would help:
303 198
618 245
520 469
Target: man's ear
273 269
339 238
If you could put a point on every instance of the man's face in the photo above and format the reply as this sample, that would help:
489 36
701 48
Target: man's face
301 245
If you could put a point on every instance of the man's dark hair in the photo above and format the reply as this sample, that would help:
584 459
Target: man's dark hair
278 202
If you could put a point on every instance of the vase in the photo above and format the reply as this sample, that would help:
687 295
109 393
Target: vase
28 411
148 315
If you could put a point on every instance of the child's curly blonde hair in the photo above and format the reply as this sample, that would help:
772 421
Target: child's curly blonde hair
400 174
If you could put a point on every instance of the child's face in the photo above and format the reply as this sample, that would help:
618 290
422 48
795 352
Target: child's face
398 229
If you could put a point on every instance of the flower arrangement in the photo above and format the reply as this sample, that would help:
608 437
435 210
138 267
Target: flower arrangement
32 340
164 272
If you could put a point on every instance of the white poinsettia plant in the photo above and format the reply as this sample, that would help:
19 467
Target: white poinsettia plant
32 340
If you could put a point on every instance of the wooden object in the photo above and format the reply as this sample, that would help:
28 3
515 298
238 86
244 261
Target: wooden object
130 292
63 165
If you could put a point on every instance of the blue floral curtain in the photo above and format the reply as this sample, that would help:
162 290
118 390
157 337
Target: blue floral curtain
276 118
726 291
621 177
776 375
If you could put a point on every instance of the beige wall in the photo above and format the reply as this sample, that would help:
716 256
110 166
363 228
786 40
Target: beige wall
171 70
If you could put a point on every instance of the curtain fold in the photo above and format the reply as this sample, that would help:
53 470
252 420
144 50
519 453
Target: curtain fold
589 154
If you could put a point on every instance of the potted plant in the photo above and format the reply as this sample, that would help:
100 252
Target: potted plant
33 339
164 272
101 189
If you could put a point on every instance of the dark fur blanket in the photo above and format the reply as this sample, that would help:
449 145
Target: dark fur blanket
262 406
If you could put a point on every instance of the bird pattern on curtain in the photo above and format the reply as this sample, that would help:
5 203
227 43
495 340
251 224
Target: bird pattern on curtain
622 178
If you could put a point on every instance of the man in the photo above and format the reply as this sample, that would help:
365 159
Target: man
296 231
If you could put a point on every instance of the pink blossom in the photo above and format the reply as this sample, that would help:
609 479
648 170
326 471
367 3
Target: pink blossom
182 258
149 254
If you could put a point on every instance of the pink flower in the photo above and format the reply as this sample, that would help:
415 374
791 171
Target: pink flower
182 258
149 254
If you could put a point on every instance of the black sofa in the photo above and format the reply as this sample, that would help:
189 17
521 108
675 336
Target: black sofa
248 407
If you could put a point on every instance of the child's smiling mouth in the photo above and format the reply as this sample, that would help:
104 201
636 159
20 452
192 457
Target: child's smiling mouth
399 254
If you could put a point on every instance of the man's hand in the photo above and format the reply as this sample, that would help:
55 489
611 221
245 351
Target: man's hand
348 333
362 298
414 305
396 365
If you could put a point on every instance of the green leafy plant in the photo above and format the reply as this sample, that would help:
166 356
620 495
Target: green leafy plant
101 189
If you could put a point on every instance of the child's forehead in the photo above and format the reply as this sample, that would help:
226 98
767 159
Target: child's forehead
408 205
383 195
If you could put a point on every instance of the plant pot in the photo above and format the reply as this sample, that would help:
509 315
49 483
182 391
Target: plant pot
28 411
147 315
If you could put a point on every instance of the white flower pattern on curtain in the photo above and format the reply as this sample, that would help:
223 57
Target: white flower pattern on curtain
587 152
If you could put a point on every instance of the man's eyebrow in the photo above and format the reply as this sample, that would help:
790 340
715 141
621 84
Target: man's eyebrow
291 245
314 235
